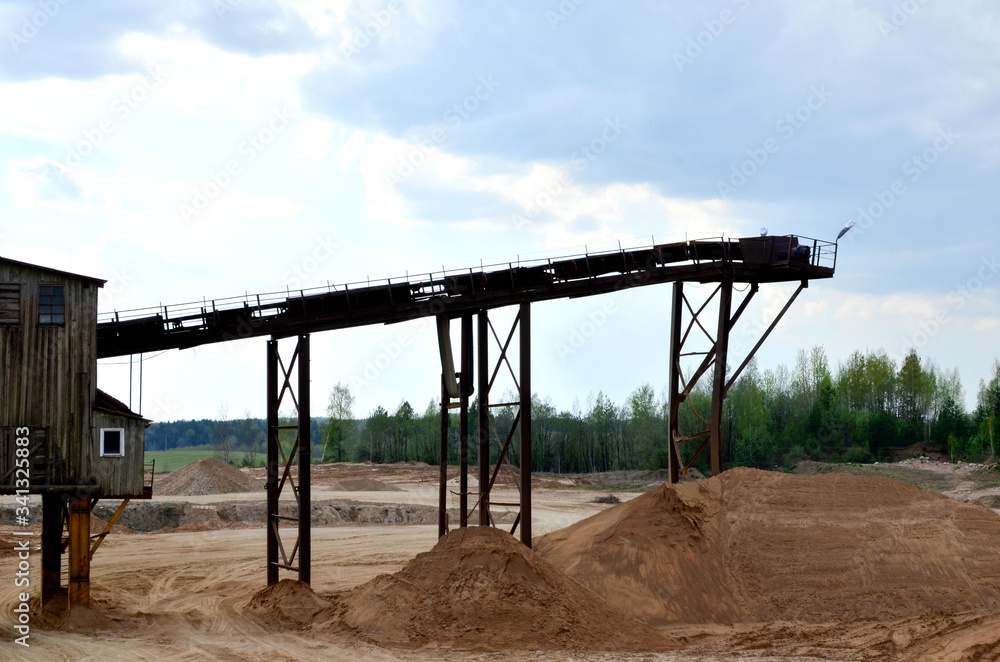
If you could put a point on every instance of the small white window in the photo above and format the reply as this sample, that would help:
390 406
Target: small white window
112 442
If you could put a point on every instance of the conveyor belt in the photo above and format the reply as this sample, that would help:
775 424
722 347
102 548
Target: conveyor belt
747 260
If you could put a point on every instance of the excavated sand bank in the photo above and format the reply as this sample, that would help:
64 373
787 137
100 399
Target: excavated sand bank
756 546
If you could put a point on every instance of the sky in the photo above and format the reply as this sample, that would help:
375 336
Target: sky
190 151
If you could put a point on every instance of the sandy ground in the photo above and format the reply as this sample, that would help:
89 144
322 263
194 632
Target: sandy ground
179 596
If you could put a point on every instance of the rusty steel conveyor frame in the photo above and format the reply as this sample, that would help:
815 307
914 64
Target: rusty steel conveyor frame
461 294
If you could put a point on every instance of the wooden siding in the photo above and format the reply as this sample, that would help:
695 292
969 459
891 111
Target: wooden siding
118 476
48 377
10 303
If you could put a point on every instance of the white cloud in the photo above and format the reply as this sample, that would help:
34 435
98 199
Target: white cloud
314 140
246 204
987 325
544 200
43 183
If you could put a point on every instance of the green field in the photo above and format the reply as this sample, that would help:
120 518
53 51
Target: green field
181 457
175 459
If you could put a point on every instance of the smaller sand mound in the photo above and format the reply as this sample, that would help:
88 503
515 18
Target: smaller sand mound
288 602
57 615
363 485
206 477
479 588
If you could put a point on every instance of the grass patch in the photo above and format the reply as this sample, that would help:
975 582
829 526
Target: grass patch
175 459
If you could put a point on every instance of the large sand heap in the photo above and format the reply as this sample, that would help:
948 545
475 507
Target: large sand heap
479 588
206 477
756 546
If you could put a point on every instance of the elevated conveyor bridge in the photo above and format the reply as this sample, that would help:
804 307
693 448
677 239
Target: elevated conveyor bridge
454 292
464 294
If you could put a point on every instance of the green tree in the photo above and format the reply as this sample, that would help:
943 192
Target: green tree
375 436
251 437
224 440
987 416
914 396
341 427
401 430
951 426
648 432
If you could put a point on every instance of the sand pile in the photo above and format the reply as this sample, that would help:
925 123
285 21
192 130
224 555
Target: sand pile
57 615
206 477
755 546
288 602
363 485
479 588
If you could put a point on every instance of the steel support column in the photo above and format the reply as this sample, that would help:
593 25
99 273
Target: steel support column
525 368
673 452
305 464
79 550
463 418
483 323
443 474
719 383
280 463
272 462
52 526
708 437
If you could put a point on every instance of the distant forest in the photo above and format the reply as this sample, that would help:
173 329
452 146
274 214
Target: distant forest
856 413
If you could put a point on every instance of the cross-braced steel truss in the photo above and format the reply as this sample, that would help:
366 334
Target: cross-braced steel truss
708 437
488 434
280 460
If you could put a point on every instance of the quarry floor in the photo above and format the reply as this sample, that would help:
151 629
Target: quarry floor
168 597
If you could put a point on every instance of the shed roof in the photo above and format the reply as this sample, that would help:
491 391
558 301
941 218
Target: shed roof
110 405
6 260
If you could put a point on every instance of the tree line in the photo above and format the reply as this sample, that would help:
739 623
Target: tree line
857 412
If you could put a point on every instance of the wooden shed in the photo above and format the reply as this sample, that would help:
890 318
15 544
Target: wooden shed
116 448
59 435
48 389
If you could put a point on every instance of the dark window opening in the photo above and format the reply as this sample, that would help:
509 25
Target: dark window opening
51 305
112 442
10 303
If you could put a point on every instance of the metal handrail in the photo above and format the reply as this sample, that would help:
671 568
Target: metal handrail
275 302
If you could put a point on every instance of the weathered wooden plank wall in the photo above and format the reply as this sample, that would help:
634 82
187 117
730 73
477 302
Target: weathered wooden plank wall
48 378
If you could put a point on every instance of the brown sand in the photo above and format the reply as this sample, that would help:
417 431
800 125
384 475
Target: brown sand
206 477
289 602
755 546
363 485
184 595
479 588
56 615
